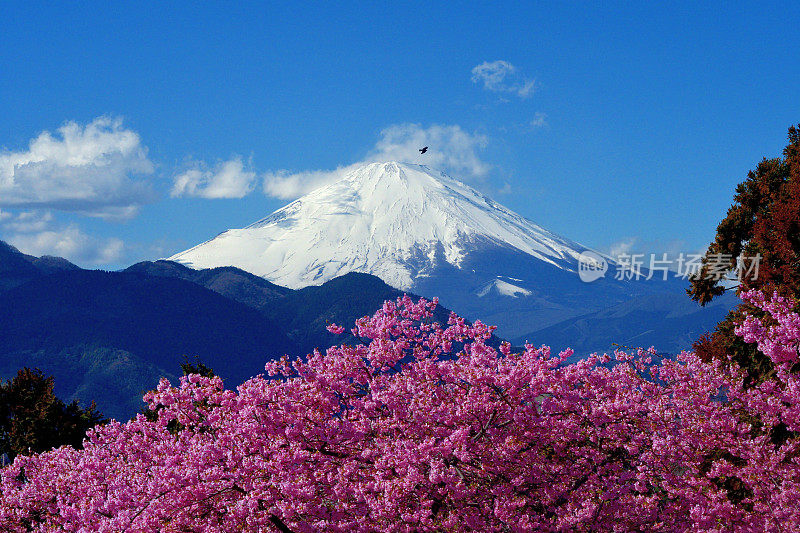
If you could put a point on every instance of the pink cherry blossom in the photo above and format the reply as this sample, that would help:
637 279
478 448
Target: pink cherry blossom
402 434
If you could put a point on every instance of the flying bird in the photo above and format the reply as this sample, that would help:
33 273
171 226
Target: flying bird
423 150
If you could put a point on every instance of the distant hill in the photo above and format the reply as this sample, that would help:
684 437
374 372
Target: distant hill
654 318
231 282
142 325
109 336
304 313
17 268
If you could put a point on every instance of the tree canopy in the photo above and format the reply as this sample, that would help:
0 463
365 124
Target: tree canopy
398 435
763 223
33 419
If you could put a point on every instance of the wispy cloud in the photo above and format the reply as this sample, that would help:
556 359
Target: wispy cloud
28 221
38 232
71 243
539 120
503 77
227 179
290 185
451 149
622 247
655 250
88 169
111 212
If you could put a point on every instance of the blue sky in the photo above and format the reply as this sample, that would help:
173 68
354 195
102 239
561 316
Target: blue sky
132 132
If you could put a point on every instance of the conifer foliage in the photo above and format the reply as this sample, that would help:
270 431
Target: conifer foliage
33 419
764 221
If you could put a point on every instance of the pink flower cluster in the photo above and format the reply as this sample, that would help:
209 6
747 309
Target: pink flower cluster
399 434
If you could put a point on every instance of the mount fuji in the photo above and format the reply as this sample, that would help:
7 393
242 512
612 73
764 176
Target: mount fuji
396 221
421 230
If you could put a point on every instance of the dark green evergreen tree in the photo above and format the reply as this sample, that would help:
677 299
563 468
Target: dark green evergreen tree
33 419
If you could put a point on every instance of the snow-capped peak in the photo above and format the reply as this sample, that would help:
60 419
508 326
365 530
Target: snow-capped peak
503 288
394 220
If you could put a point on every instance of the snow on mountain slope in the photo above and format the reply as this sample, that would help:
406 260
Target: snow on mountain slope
503 288
395 220
422 231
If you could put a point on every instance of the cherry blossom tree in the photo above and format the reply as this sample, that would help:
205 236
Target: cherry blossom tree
426 427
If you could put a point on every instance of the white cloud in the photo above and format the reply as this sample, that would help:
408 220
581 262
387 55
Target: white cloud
28 222
635 245
112 212
70 243
36 232
492 74
228 179
289 185
5 215
502 77
525 89
450 149
77 169
539 120
622 247
655 250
